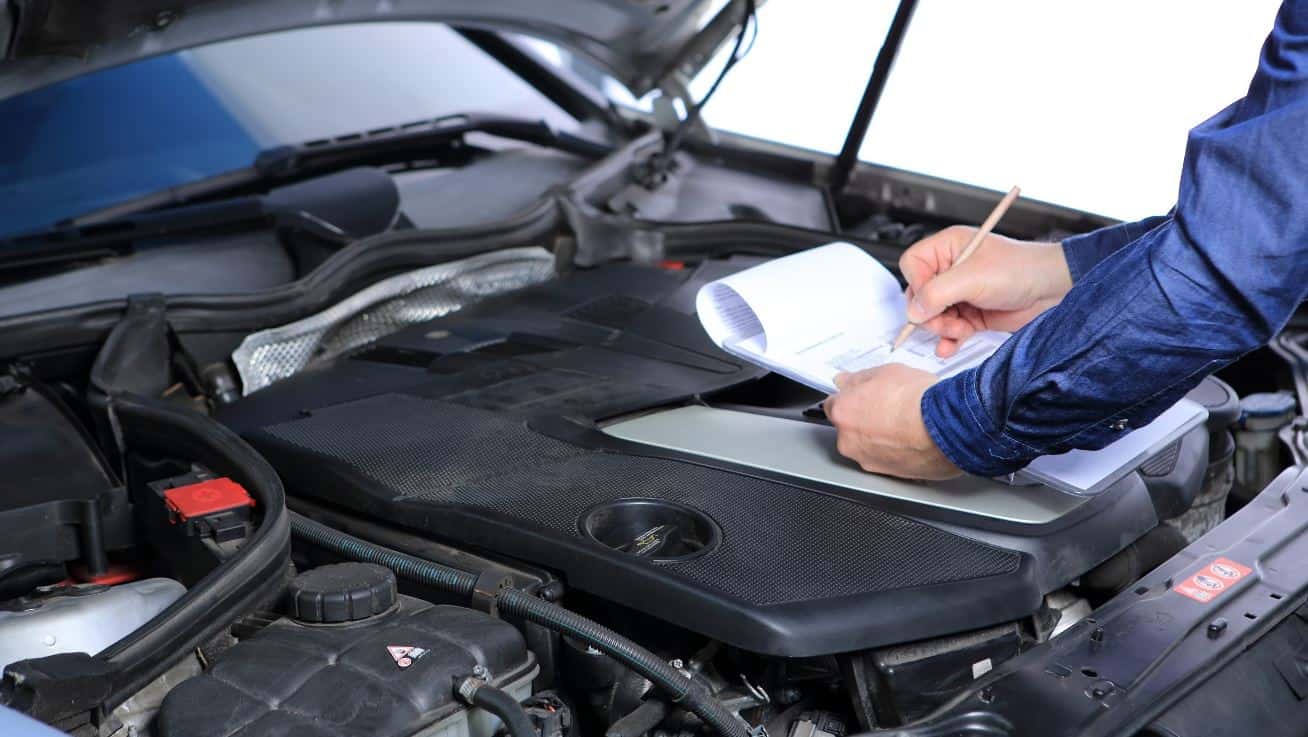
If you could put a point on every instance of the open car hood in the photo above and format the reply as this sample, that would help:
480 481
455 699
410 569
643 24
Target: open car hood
639 42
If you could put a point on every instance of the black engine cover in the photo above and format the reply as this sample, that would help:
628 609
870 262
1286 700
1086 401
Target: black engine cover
479 429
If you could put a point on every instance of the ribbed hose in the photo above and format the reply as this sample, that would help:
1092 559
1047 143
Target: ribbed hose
405 566
680 688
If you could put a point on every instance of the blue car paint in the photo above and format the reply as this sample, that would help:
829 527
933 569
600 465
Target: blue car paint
100 139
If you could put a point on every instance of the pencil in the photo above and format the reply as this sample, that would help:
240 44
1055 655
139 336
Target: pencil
990 222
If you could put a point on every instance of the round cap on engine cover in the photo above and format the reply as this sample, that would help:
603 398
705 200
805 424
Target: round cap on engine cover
340 592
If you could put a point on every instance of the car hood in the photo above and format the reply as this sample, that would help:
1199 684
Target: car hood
640 42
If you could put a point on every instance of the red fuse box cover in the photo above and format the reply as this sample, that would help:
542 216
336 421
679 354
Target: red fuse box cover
207 497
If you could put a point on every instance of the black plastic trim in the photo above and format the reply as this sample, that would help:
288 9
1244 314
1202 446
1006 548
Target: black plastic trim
1149 647
255 573
343 273
797 629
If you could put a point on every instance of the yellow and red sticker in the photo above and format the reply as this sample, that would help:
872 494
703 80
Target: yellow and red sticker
1212 580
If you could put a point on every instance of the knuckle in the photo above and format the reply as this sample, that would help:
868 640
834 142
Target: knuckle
839 414
844 446
836 415
929 294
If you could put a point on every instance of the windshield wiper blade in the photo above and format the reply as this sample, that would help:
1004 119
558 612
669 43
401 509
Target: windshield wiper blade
440 139
231 200
333 208
119 237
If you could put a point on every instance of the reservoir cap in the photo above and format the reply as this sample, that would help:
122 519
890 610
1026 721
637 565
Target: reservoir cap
341 592
1267 411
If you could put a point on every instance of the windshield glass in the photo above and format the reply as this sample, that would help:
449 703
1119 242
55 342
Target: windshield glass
113 135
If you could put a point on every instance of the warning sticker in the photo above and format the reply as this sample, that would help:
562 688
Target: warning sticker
404 655
1210 581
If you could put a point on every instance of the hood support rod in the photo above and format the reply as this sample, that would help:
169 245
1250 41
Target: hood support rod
876 84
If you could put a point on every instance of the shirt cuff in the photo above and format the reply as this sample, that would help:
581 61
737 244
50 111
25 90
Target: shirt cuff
1083 252
1081 255
962 428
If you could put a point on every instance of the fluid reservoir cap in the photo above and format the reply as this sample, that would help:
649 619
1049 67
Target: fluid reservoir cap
340 592
1267 411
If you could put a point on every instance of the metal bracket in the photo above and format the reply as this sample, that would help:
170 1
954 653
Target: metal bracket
666 115
673 83
876 84
490 582
700 49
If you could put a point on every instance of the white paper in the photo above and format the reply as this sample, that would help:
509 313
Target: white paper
814 314
1090 471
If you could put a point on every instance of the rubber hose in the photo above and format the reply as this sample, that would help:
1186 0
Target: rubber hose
680 688
405 566
239 583
501 704
1131 563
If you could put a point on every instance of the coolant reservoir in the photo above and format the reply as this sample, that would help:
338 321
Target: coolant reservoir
353 659
1257 461
80 619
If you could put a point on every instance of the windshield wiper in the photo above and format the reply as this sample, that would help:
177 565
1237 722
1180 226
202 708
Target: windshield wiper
441 140
232 200
119 237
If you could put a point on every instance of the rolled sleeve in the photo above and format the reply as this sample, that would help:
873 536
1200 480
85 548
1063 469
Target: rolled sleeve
1084 252
1159 304
961 427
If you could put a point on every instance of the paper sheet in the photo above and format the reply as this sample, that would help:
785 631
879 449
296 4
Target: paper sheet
1090 471
813 314
817 313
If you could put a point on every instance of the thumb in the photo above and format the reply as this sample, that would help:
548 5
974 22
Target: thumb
953 287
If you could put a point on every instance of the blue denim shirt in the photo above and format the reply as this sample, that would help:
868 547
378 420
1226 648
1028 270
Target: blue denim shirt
1159 304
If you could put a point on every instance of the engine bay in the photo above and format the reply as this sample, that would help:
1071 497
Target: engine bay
497 479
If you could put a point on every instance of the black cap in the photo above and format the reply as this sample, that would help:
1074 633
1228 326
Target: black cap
341 592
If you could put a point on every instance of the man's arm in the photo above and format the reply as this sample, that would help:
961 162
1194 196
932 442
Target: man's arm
1217 279
1085 251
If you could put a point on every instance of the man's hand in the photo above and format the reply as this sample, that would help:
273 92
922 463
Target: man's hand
878 419
1003 286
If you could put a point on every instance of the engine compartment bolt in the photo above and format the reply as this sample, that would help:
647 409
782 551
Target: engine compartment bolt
480 671
1216 628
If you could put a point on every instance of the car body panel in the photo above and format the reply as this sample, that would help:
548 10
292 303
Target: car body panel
46 41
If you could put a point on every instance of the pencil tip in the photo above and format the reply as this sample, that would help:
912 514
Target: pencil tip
904 333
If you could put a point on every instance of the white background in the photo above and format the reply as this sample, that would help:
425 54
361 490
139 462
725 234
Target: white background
1082 104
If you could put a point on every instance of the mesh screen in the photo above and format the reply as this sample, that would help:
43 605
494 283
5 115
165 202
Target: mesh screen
411 446
383 308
